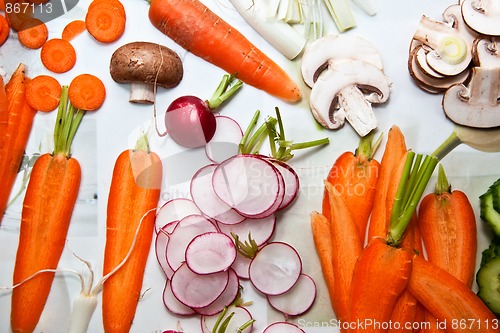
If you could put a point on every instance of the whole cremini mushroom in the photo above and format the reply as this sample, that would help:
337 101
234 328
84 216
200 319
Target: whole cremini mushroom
145 65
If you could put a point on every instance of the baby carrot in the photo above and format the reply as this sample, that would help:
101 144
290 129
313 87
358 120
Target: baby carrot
105 20
33 34
58 55
87 92
73 29
43 93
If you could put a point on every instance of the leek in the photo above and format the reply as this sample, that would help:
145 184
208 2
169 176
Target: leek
341 14
367 6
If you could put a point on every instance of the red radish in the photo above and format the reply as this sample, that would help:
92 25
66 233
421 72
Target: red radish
275 269
291 180
297 300
210 252
261 230
161 242
225 299
240 317
283 327
247 183
206 199
196 290
174 210
190 121
225 141
173 304
240 266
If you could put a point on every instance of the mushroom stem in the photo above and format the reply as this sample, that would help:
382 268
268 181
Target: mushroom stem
358 111
141 93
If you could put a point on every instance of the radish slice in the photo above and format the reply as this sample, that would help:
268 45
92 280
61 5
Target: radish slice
240 317
283 327
161 242
210 252
225 141
172 304
247 183
297 300
225 299
187 229
240 266
207 201
174 210
261 230
196 290
275 268
292 183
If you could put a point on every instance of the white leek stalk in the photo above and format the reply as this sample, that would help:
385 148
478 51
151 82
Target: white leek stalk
367 6
279 34
314 20
341 14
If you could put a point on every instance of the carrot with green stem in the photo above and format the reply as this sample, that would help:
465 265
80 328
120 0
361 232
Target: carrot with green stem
355 176
200 31
135 190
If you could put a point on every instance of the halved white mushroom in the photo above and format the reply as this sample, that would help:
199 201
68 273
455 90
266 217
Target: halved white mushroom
319 54
346 91
482 16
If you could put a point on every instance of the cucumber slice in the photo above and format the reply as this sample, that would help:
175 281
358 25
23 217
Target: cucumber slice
488 212
495 191
488 281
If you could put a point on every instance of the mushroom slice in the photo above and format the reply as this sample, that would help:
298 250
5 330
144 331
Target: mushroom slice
343 83
144 65
485 52
319 54
475 105
482 16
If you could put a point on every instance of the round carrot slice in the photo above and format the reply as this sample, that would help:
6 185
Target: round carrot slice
58 55
86 92
33 33
43 93
105 21
73 29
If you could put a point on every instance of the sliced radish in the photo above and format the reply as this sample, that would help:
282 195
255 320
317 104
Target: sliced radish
196 290
206 199
275 269
174 210
240 266
283 327
225 141
161 242
225 299
248 183
187 229
210 252
297 300
172 303
260 230
292 182
240 317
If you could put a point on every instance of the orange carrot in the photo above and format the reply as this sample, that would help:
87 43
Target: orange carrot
346 248
4 114
134 192
58 55
47 209
448 228
33 34
105 20
355 176
394 149
449 300
73 29
87 92
17 130
43 93
2 5
200 31
4 29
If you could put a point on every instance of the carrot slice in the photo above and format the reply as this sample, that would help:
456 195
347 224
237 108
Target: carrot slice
105 21
87 92
4 29
58 55
2 5
73 29
33 33
43 93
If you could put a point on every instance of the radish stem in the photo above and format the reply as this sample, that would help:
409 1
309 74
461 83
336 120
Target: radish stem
222 93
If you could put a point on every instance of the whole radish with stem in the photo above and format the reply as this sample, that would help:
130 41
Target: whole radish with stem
190 121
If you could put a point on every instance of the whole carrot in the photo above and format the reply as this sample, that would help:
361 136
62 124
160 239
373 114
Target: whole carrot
200 31
47 209
134 192
355 176
16 124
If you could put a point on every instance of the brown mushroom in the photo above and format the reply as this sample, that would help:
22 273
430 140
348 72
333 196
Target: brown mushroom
145 65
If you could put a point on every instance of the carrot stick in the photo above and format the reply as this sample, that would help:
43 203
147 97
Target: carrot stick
135 190
4 114
73 29
43 93
346 248
17 130
449 300
200 31
4 29
355 176
105 20
87 92
394 149
58 55
47 209
33 34
448 228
